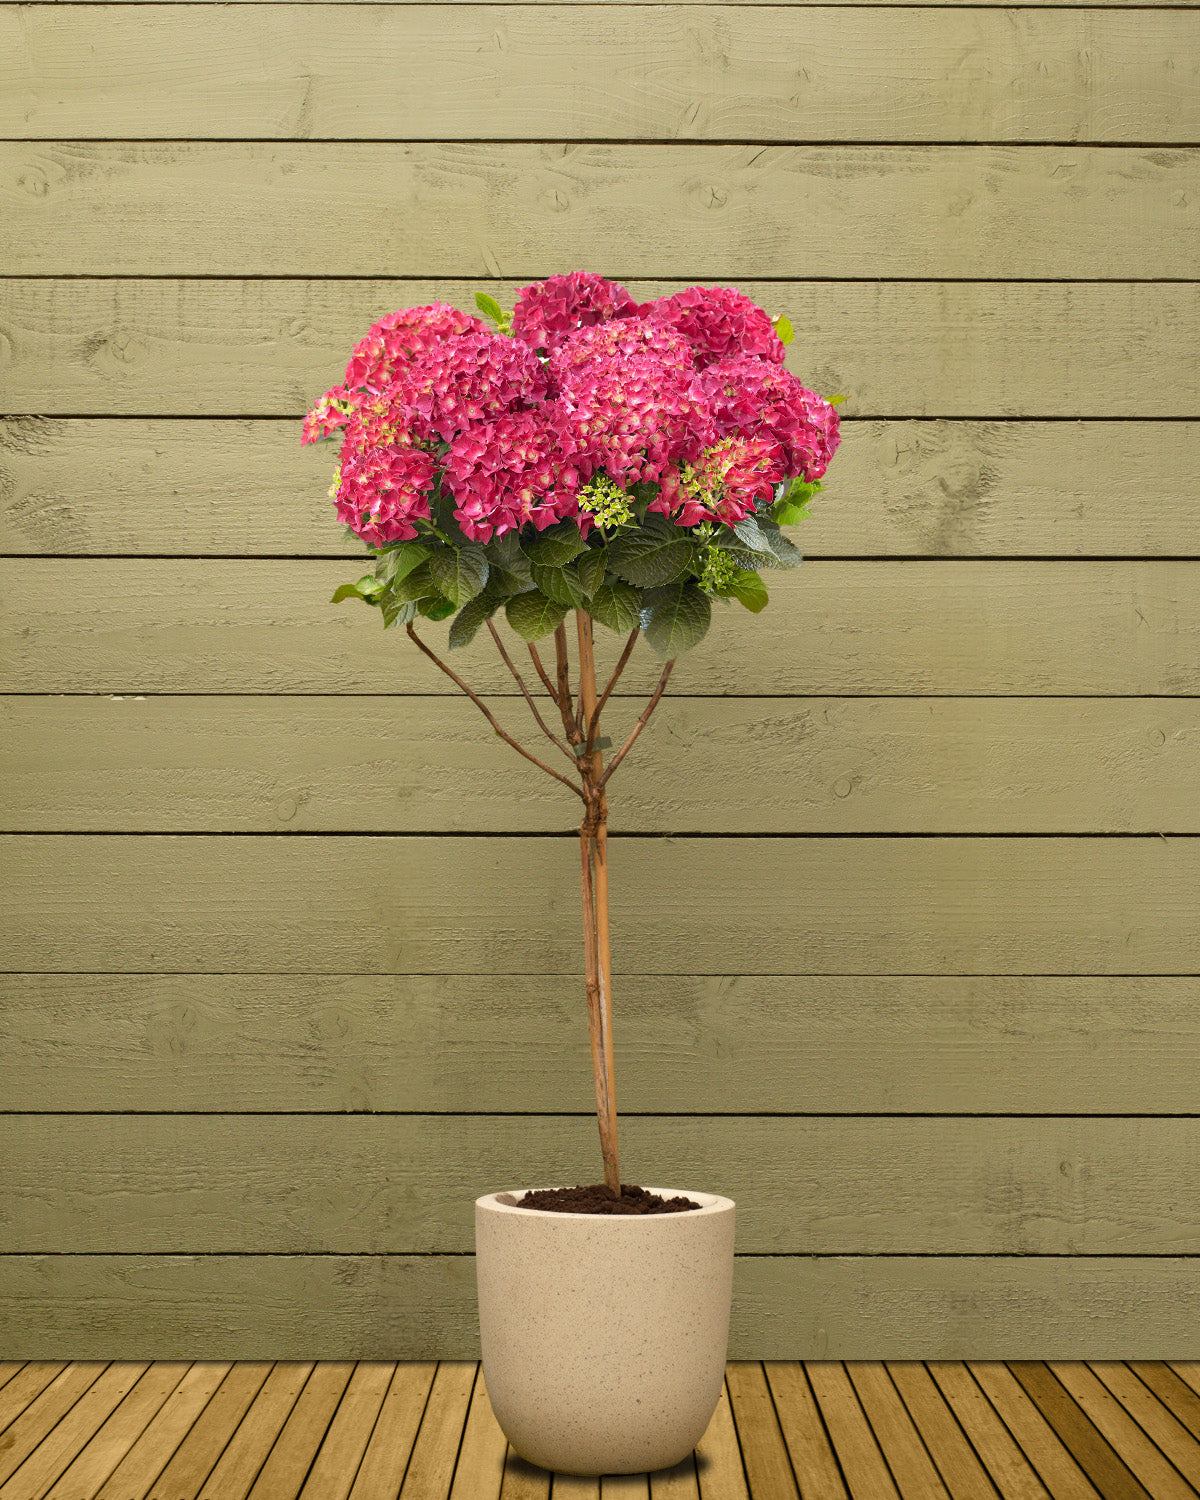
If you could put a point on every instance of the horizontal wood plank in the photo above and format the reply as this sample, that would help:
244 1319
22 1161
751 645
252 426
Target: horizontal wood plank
399 1307
254 1184
853 765
827 1043
207 208
909 488
217 347
876 627
565 72
389 905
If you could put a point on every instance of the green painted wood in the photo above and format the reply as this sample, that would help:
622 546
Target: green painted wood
400 1307
940 488
395 905
309 1184
838 1044
562 72
825 765
1027 628
903 349
466 210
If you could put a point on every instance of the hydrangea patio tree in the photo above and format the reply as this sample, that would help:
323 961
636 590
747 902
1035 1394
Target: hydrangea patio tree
627 462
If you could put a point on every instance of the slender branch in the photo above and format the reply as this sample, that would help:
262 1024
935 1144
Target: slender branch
541 671
565 707
594 721
639 726
490 717
553 738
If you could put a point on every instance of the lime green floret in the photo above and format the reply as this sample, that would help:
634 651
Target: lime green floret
605 501
719 570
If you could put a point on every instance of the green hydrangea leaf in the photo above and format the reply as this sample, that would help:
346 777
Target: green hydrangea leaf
398 562
787 554
435 609
783 328
418 584
366 589
490 308
395 613
656 554
592 566
675 617
556 546
460 572
533 615
469 619
616 605
505 552
560 584
747 532
748 589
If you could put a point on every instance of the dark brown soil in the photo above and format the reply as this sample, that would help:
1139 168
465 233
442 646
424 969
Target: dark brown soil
596 1199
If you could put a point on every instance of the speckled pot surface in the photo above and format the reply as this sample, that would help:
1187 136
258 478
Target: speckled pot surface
604 1336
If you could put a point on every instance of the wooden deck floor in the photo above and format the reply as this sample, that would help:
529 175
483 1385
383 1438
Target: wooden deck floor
816 1431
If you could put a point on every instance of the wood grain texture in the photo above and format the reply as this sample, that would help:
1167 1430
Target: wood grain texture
854 765
508 209
246 904
976 627
362 1185
565 72
81 485
420 1307
979 349
843 1045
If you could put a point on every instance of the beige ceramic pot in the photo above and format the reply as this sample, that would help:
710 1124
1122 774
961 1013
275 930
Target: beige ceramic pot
604 1336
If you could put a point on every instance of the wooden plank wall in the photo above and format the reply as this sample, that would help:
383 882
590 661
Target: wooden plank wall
907 869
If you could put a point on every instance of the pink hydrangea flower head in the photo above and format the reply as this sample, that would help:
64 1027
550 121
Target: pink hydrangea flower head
629 392
399 337
520 466
724 483
450 386
754 399
330 412
547 311
380 491
719 322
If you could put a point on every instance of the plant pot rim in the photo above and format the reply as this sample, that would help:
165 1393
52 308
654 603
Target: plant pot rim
505 1202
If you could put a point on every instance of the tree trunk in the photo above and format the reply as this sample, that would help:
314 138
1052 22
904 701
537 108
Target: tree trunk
593 846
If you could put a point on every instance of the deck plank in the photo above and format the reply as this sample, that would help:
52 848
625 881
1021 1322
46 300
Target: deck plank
1041 1445
862 1461
37 1400
333 1472
1092 1451
436 1447
719 1466
149 1456
764 1451
804 1432
54 1454
1136 1450
824 1430
206 1442
1172 1391
109 1445
1006 1463
302 1434
913 1471
479 1472
958 1463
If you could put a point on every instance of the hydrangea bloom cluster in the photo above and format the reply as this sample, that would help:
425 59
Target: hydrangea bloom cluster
520 466
687 394
547 311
